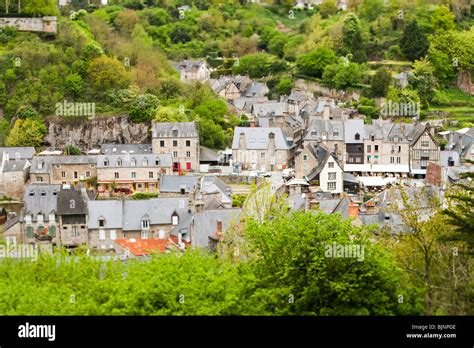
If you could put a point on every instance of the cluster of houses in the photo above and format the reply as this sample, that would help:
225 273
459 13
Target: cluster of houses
331 154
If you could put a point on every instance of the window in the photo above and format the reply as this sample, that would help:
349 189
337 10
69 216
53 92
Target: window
161 234
40 218
146 224
331 185
28 219
150 175
188 154
133 162
157 161
145 162
106 163
116 175
376 157
74 231
369 148
332 176
376 148
52 218
358 159
63 174
134 175
188 143
399 149
101 222
335 133
175 153
424 161
305 157
425 143
372 137
162 143
368 158
175 219
75 175
357 136
144 234
392 160
331 165
399 160
88 174
113 235
393 148
175 143
119 162
101 234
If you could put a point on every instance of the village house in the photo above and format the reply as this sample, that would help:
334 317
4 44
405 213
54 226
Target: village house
181 140
109 220
15 163
354 134
461 141
423 148
292 127
320 168
72 216
193 70
128 173
72 169
328 132
214 189
261 149
39 223
41 170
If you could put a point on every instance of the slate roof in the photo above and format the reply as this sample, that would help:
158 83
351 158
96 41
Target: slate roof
190 65
240 103
257 138
414 132
107 149
205 224
17 152
322 154
46 162
165 129
41 198
445 156
351 128
110 210
174 183
14 166
71 202
256 89
333 129
165 160
212 184
277 108
80 159
157 210
208 155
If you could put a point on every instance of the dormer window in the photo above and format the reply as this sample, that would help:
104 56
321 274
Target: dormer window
145 162
145 224
40 218
40 165
17 156
175 132
175 219
43 193
119 162
357 136
101 222
133 162
372 137
106 163
32 193
157 161
335 133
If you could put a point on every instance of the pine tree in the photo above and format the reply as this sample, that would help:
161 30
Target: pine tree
413 42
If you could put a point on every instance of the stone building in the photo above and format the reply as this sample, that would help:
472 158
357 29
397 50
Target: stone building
72 216
131 172
181 140
423 149
261 148
354 134
328 132
14 170
72 169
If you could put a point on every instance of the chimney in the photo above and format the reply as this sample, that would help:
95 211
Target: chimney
219 229
353 209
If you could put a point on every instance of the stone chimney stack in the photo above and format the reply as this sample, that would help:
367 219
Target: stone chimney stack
219 229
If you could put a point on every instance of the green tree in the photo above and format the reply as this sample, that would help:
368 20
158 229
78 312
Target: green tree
442 19
4 129
40 7
107 73
371 9
256 65
314 62
423 80
28 132
413 42
342 75
380 82
71 150
328 8
144 108
74 84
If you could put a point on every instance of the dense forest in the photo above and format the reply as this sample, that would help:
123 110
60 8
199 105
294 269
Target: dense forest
119 57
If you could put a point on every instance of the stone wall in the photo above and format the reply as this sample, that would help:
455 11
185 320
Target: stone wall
43 24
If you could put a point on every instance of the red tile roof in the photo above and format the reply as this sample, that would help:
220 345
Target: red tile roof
142 247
